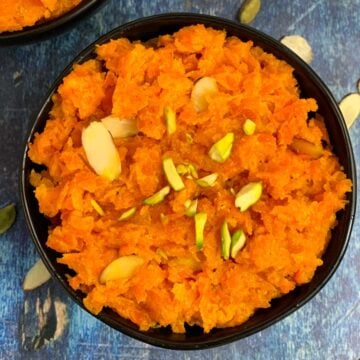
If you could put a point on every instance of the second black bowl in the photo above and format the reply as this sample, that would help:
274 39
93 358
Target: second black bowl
44 28
311 86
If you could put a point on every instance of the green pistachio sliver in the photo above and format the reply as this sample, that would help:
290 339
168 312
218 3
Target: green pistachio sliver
158 197
207 181
221 150
193 171
225 241
172 175
238 240
200 222
191 207
248 195
170 120
127 214
249 127
7 217
182 169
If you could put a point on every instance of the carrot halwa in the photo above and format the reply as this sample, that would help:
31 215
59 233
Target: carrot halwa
173 274
17 14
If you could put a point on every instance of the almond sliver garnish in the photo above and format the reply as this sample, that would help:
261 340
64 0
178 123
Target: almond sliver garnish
101 151
202 90
120 128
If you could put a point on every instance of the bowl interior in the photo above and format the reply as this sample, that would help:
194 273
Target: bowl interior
311 85
32 32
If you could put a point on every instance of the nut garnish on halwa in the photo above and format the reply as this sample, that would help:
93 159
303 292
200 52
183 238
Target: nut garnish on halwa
199 227
18 14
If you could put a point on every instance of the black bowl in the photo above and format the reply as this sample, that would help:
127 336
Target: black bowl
43 28
311 86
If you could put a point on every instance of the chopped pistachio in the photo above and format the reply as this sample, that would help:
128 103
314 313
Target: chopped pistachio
170 120
302 146
221 150
193 171
189 138
97 207
187 203
248 11
238 240
120 128
172 175
7 217
248 195
101 151
128 214
225 241
158 197
202 90
200 222
182 169
161 253
121 268
191 207
249 127
207 181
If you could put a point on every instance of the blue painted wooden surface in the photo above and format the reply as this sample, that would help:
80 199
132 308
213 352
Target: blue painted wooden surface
327 327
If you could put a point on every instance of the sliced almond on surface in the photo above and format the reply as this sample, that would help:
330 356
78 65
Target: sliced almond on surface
248 11
36 276
202 91
299 46
101 151
120 128
350 108
121 268
302 146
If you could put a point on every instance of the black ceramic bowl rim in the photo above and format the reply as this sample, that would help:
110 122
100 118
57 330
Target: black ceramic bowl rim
30 33
150 27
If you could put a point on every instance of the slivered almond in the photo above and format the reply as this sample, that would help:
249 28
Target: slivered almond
36 276
120 128
121 268
299 46
202 91
101 151
350 108
302 146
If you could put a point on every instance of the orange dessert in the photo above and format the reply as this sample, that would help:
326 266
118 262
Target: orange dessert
190 182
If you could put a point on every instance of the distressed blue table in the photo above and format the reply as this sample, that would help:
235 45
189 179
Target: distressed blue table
327 327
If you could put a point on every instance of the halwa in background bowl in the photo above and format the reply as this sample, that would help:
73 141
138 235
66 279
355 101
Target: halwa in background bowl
310 85
50 26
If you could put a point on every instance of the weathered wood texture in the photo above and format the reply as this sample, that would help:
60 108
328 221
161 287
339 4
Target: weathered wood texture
325 328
